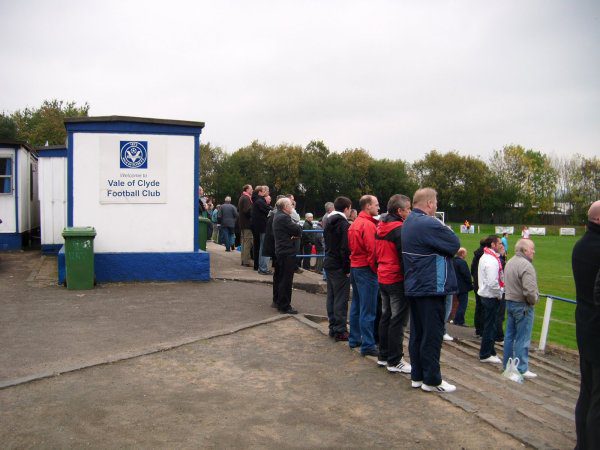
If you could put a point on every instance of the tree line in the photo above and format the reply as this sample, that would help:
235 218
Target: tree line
516 185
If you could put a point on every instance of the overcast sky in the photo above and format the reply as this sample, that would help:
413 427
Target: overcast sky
397 78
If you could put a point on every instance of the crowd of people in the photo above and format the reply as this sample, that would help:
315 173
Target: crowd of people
412 265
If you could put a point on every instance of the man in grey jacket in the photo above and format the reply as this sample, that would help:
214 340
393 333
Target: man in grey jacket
521 292
228 215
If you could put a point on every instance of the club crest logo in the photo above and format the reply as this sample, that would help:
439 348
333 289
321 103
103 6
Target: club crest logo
134 154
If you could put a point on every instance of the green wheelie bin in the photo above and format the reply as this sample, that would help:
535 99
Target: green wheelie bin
203 231
79 257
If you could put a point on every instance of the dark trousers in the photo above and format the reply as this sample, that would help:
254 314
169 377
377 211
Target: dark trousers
463 301
276 280
306 250
425 344
394 318
255 248
500 320
488 336
286 266
587 411
377 318
478 318
338 294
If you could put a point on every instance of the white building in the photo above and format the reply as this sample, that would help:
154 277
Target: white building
52 176
19 203
135 180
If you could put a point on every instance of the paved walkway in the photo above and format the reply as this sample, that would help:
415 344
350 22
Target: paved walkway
212 365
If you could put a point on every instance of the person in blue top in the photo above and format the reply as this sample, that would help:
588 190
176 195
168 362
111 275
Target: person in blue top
505 241
427 250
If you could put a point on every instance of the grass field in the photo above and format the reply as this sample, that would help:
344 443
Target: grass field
552 263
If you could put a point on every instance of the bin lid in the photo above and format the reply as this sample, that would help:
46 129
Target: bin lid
79 232
204 219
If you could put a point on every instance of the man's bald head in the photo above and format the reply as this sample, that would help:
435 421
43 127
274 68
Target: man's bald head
426 200
594 212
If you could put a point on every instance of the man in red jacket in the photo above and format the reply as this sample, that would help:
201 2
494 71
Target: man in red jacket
394 305
363 271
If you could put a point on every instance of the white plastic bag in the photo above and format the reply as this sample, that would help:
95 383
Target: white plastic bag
511 372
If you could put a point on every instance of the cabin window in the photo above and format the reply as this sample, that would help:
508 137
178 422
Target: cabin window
5 175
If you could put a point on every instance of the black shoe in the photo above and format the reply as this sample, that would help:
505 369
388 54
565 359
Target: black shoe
331 333
290 310
268 272
370 352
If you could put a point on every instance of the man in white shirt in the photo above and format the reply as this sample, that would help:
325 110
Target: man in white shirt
490 289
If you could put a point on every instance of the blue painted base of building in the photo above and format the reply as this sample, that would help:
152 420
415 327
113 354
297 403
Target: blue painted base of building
11 241
116 267
51 249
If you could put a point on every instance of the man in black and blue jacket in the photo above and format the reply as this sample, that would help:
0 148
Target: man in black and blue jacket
427 250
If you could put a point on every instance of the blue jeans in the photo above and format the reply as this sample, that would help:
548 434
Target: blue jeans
488 336
363 308
263 261
228 237
447 310
519 323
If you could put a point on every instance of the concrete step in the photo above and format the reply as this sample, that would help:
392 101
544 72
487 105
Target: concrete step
539 412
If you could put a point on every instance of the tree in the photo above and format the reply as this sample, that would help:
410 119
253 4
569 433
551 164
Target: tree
387 177
8 127
354 180
283 168
582 185
46 123
526 179
462 183
211 158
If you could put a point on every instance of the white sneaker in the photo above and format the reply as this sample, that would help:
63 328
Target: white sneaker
527 374
442 387
447 337
416 384
491 359
402 367
381 363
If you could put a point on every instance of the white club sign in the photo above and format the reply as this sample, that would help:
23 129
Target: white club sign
133 170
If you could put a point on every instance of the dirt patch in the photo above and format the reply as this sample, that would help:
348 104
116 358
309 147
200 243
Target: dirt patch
277 385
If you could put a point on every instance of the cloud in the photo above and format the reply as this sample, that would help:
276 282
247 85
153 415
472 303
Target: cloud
396 78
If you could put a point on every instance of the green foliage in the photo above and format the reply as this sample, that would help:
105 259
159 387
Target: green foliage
211 161
580 184
313 174
389 177
516 185
526 179
45 124
8 127
462 182
355 182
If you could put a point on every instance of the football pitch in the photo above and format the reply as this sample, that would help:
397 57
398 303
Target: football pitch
552 263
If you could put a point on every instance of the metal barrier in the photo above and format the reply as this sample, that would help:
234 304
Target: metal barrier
319 255
546 323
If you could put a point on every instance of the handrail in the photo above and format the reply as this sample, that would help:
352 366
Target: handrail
562 299
318 255
548 311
